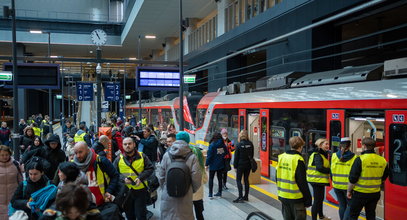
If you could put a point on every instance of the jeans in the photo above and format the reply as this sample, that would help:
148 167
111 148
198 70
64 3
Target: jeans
138 202
343 203
211 177
319 195
199 208
293 211
239 174
369 201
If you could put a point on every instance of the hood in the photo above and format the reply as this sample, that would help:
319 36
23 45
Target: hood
53 138
179 148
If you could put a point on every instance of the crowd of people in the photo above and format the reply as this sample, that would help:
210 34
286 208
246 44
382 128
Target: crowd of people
113 173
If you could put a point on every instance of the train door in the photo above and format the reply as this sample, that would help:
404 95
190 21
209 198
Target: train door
264 143
335 127
253 131
242 120
396 155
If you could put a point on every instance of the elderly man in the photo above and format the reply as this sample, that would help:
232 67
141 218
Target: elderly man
100 145
103 179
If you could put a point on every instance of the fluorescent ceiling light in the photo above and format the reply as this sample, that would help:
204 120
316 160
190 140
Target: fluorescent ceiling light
133 58
35 32
54 56
150 36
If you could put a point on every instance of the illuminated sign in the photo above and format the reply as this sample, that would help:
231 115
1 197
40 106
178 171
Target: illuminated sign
157 78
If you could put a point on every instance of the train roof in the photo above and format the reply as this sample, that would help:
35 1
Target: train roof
151 104
382 89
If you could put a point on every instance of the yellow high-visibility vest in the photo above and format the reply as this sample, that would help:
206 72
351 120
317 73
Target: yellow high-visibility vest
340 171
80 137
126 171
286 186
313 175
37 131
370 179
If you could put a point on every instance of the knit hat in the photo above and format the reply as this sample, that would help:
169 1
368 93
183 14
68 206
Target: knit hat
183 136
223 131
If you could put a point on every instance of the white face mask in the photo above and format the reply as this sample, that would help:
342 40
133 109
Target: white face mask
224 137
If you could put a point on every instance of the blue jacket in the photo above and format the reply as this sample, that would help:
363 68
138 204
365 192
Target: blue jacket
215 157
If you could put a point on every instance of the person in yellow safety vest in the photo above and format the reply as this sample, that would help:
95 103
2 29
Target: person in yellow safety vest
45 126
144 121
318 176
366 176
103 179
37 130
341 164
81 135
126 165
292 186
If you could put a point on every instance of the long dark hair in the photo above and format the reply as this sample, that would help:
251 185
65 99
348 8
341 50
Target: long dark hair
216 136
344 146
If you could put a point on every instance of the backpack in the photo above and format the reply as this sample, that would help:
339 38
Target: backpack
178 177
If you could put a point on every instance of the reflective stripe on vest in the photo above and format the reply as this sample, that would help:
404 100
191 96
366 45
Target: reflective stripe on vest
37 131
101 177
313 175
286 185
80 137
126 171
370 178
340 171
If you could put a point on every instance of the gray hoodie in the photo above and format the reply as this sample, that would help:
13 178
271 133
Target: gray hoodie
173 208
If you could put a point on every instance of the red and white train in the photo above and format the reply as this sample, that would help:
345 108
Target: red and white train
375 108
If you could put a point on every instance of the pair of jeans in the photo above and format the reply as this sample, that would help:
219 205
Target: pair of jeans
199 208
367 200
239 174
138 204
293 211
219 174
319 196
343 203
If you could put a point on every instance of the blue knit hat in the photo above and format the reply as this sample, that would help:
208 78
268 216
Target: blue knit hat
183 136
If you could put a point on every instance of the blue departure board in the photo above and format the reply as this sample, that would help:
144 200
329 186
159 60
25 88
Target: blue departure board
157 78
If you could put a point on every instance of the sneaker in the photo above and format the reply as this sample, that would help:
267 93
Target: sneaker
210 196
325 218
238 200
219 194
246 198
225 187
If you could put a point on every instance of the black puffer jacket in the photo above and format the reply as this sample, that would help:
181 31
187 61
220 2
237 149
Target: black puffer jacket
20 198
53 156
244 151
99 148
26 141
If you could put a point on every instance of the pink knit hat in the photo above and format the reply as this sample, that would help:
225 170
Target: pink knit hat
223 131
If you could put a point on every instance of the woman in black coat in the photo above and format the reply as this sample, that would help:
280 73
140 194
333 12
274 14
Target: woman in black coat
243 154
27 139
36 181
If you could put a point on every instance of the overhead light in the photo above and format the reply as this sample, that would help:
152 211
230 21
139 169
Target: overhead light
91 51
391 96
359 119
379 119
35 32
133 58
150 36
121 70
54 56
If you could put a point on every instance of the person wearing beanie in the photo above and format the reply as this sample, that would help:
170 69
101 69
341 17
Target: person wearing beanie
197 197
341 163
228 156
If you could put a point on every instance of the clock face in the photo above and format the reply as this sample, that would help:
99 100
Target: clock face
99 37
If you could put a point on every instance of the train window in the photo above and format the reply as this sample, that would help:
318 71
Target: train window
200 117
223 118
232 129
264 133
297 122
335 132
398 154
241 122
154 117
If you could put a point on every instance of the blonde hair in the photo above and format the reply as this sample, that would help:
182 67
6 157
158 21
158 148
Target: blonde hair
320 141
243 135
296 142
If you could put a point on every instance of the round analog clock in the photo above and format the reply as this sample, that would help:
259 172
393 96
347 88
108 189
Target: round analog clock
99 37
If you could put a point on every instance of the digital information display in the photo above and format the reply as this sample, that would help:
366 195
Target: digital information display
157 78
35 75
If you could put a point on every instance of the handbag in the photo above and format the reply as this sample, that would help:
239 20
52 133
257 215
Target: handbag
123 197
253 164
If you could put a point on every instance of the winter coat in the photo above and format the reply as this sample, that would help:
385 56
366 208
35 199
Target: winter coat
173 208
150 147
20 198
10 177
26 141
99 148
244 151
53 156
215 156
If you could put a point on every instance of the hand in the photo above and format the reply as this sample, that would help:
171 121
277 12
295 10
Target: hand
138 181
349 194
128 181
108 197
137 137
22 147
28 205
206 168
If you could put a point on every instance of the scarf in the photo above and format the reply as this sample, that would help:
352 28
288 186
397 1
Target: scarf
85 165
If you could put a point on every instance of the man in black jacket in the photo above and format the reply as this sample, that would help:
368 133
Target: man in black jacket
150 144
51 153
293 191
100 145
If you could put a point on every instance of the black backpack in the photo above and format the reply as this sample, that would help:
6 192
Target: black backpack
178 178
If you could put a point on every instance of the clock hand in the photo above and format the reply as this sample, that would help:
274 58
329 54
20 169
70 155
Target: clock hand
97 35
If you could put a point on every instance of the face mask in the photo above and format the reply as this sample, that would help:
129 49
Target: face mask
224 138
